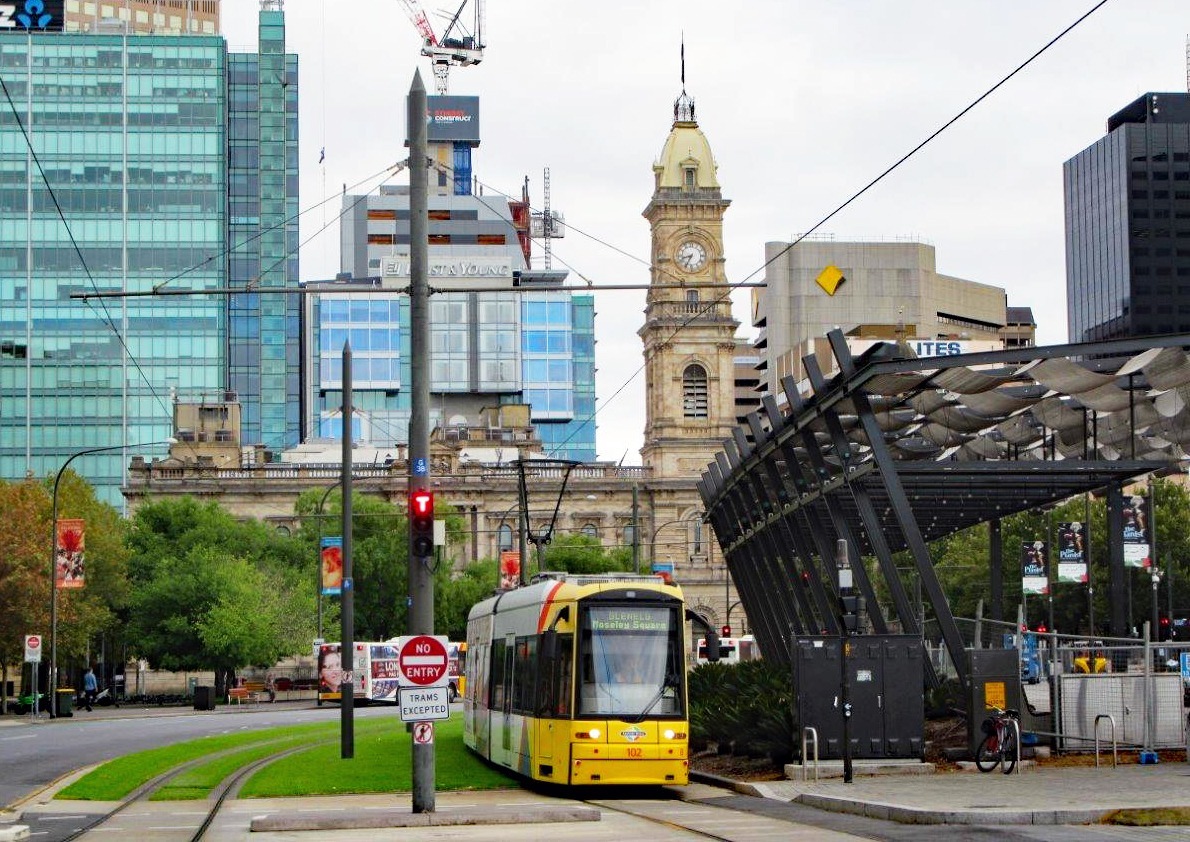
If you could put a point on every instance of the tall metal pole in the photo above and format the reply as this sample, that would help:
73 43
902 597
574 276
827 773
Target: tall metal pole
421 583
347 600
1090 567
843 566
522 524
636 529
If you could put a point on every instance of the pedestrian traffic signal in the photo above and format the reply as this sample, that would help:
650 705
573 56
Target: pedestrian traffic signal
852 607
421 522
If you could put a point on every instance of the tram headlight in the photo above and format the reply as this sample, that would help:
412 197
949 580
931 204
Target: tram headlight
669 734
594 732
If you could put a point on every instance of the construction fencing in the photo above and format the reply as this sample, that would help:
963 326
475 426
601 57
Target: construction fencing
1135 691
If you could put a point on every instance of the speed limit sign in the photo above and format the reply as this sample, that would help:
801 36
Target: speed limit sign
32 649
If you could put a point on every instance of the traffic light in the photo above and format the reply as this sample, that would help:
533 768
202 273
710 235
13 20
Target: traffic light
852 607
1163 629
421 522
725 631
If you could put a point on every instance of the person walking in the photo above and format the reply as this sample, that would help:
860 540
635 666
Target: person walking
90 688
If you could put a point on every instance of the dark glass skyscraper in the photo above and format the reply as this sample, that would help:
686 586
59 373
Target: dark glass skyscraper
1128 224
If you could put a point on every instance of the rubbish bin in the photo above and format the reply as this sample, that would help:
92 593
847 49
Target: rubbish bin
204 697
65 701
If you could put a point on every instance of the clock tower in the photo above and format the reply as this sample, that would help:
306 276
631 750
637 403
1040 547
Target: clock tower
689 332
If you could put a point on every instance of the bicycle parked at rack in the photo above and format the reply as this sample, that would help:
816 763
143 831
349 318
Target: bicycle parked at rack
1001 743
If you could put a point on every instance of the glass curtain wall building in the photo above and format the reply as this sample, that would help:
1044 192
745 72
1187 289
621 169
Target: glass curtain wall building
263 351
1127 202
113 178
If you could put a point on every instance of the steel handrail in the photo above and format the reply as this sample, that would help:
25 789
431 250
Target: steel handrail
811 732
1114 745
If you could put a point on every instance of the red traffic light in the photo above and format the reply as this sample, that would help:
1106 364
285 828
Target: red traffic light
421 502
1041 627
725 631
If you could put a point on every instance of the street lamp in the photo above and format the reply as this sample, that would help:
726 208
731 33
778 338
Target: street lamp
53 683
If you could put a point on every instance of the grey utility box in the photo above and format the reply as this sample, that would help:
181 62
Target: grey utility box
886 687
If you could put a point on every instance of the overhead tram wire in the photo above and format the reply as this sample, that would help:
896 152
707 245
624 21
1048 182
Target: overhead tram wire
740 284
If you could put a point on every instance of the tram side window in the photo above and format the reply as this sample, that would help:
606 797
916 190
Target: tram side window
496 685
525 675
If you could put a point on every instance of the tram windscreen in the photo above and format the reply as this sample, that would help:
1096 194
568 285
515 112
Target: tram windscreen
630 662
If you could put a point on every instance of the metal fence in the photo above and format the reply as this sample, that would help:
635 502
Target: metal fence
1076 688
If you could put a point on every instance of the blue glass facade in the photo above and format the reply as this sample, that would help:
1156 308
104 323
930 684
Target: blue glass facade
131 136
263 352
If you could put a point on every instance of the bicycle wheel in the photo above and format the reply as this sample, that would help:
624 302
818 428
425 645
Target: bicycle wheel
1008 752
987 756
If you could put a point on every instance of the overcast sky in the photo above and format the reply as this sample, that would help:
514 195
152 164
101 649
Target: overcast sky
803 104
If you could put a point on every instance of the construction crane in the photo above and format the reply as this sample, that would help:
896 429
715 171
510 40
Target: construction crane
456 46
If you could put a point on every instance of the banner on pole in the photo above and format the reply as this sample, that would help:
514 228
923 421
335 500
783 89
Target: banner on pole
1072 554
331 563
1034 578
510 569
70 554
1136 532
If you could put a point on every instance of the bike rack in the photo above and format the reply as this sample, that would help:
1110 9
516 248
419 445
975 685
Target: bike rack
812 733
1114 746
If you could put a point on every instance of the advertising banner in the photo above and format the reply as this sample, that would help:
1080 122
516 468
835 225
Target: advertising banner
1034 561
452 118
510 569
70 559
385 672
1136 531
331 562
1072 555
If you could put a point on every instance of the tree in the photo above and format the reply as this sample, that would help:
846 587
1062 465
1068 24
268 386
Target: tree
24 570
578 553
212 592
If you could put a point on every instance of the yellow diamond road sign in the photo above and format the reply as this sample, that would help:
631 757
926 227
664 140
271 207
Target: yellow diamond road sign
829 279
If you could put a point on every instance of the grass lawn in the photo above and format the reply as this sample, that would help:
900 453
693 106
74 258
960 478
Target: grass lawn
382 763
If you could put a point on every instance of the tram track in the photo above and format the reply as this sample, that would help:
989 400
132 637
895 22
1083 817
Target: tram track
633 807
227 787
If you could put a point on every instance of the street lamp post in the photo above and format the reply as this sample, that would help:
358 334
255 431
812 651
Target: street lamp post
53 682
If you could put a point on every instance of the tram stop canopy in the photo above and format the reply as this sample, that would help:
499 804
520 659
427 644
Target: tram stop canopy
895 451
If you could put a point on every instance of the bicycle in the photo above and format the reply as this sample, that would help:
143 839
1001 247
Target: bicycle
1000 746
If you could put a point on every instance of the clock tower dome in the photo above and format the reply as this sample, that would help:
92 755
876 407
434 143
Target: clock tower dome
688 332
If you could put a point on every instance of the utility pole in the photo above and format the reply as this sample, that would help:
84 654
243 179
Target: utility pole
636 529
347 597
849 609
421 583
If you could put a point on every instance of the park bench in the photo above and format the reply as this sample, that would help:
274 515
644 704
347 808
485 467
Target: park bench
249 691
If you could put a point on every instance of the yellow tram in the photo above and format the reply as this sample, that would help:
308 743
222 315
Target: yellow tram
579 679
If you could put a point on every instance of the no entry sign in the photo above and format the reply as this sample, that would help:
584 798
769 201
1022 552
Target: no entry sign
32 648
423 661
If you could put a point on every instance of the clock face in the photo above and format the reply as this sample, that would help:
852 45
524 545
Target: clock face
691 256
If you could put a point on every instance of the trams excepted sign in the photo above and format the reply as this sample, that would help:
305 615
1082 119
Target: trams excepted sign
32 649
420 704
423 661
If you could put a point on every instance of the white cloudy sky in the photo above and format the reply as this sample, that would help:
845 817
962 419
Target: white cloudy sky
803 101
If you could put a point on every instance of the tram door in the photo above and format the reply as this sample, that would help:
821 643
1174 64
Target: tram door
505 713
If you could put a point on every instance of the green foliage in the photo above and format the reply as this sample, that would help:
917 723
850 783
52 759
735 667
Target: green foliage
213 592
580 553
748 705
455 595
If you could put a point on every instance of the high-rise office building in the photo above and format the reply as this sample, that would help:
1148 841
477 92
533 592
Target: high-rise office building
157 17
1128 224
115 179
502 332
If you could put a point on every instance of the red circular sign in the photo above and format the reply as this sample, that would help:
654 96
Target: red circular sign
33 641
423 660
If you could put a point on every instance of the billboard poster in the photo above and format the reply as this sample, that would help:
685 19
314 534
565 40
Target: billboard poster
1034 579
1136 531
70 559
330 670
385 672
452 118
510 569
1072 554
32 16
331 564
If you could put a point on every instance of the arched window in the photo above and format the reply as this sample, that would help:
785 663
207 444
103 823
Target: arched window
504 537
591 530
282 529
694 391
696 537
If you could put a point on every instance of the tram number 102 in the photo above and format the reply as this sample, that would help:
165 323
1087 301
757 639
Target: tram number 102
635 752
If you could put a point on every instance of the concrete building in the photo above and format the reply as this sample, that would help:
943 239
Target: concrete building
153 17
1020 329
1127 202
502 331
870 290
123 185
